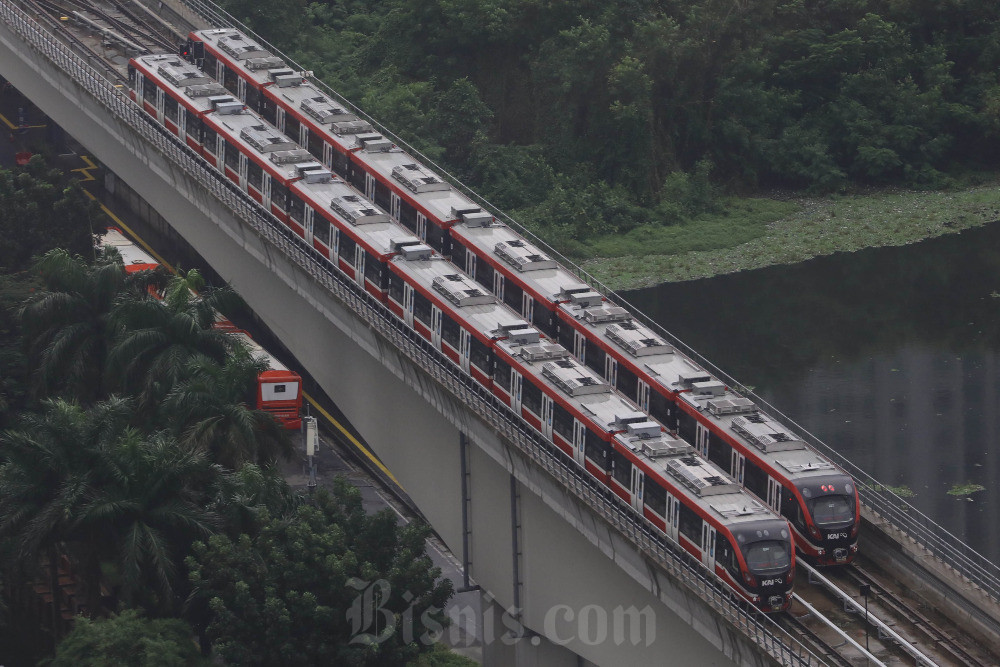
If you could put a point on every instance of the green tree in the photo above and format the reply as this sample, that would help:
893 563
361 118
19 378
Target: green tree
209 410
291 592
128 640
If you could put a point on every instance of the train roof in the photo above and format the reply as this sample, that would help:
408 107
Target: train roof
735 415
369 223
469 303
194 87
281 156
518 257
132 255
339 125
253 59
258 352
674 461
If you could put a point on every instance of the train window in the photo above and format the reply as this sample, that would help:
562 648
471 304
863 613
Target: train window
501 374
232 157
422 308
382 194
292 126
545 320
479 355
790 508
755 479
598 450
725 555
566 336
279 195
720 452
662 409
169 107
133 76
531 397
511 294
296 208
373 268
686 426
253 99
458 252
408 215
356 175
269 110
449 330
194 127
210 64
436 236
255 174
621 469
149 91
316 144
562 421
346 249
229 80
628 383
656 497
209 138
689 524
340 163
395 287
321 229
595 358
484 276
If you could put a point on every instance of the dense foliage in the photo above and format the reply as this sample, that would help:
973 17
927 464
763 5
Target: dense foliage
587 118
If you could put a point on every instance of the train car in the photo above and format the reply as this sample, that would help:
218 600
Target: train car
819 499
279 389
687 498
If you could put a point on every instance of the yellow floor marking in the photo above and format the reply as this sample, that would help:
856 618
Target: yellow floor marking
87 176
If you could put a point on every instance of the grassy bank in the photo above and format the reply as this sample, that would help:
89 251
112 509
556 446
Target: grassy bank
753 233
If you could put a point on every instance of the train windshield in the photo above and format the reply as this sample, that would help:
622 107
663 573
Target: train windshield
830 510
767 556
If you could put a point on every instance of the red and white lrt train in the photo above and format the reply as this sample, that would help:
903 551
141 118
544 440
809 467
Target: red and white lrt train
279 390
819 498
685 497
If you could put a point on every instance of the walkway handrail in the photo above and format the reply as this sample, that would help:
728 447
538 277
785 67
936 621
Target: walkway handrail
877 497
742 616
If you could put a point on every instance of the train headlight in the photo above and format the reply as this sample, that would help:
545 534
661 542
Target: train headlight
854 530
749 579
814 531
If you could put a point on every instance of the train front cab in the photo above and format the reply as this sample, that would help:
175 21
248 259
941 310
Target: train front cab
761 560
279 392
825 514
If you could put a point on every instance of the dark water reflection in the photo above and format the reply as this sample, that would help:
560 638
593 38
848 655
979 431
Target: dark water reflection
890 355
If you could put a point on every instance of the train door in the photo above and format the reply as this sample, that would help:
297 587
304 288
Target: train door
159 104
738 466
370 187
307 221
265 195
497 284
244 162
182 123
515 391
137 85
470 263
673 506
579 346
642 396
774 494
708 545
394 206
436 327
241 89
527 307
579 438
635 490
464 347
279 119
327 155
303 135
701 440
546 416
611 370
408 305
359 265
422 226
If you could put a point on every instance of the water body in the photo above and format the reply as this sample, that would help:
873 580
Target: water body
889 355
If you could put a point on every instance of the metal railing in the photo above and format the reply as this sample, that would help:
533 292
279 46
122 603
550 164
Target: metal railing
742 616
876 497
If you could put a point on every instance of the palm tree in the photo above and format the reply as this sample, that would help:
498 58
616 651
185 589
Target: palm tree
159 339
211 412
67 328
148 508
